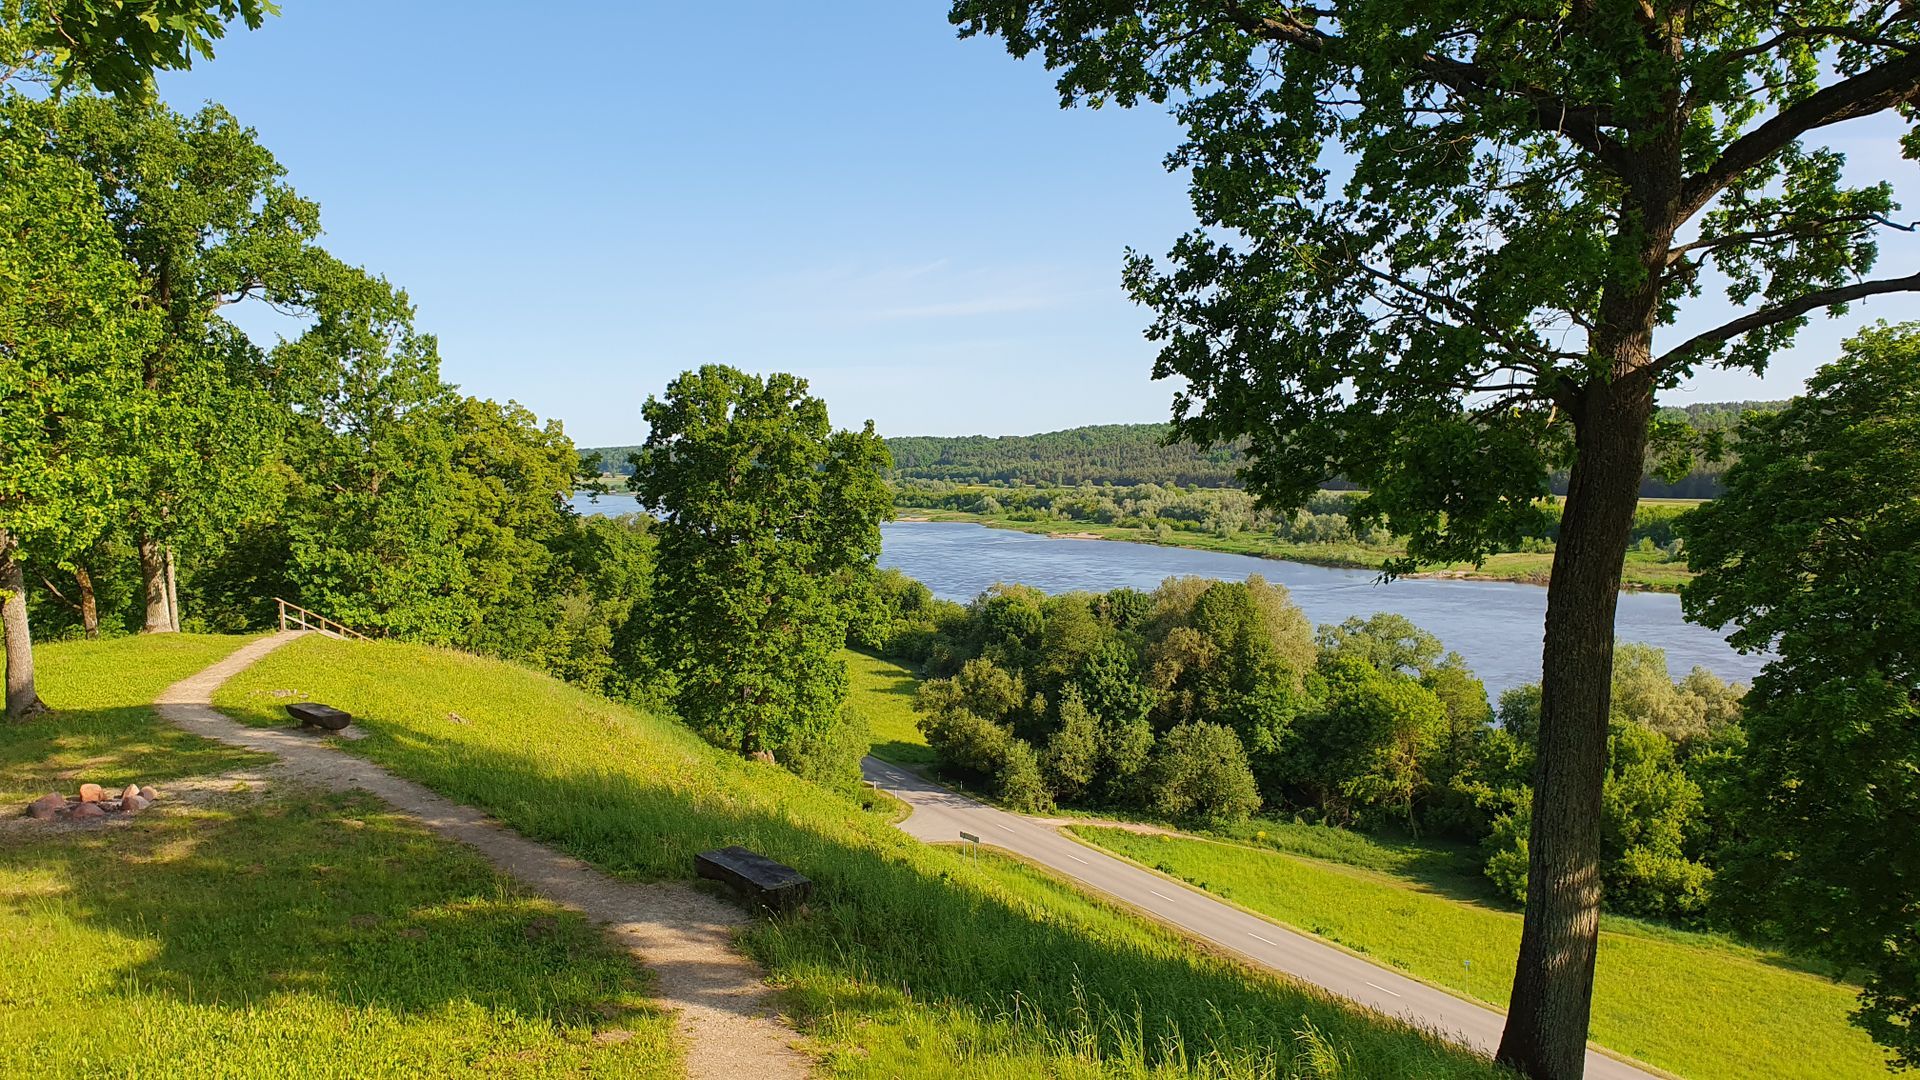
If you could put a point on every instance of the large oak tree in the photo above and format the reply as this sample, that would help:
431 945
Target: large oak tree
1441 249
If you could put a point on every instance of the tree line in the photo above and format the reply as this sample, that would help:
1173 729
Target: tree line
1139 455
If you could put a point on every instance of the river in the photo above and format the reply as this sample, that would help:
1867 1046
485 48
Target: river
1494 625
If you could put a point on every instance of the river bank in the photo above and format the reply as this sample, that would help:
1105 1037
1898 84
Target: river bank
1644 572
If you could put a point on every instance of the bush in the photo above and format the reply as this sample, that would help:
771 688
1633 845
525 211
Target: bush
1648 883
1018 782
829 756
1200 770
1506 849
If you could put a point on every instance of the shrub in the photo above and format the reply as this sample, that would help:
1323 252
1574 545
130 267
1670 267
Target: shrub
1200 770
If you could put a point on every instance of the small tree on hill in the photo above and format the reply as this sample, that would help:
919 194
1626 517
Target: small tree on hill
761 503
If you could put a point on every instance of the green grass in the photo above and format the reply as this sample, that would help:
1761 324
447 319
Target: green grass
882 691
910 959
102 722
283 933
1696 1005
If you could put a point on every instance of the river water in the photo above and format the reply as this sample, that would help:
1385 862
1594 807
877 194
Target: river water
1494 625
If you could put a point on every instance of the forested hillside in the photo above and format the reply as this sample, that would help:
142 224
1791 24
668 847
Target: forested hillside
1132 454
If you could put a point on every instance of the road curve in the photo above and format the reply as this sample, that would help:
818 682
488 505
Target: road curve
940 815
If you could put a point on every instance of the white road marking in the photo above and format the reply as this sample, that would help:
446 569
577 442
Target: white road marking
1163 896
1075 858
1009 828
1257 937
1380 988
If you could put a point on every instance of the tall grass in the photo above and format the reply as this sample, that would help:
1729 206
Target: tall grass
909 960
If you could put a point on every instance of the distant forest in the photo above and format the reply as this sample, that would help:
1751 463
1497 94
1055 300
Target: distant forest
1133 454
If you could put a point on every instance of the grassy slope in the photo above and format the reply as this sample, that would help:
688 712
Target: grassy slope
910 960
882 691
275 935
1642 571
1698 1006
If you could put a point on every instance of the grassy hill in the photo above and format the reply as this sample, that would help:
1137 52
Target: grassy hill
248 930
911 960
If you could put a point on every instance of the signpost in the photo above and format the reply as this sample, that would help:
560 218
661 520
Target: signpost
974 840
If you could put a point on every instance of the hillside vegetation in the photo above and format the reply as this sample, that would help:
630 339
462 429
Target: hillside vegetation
910 960
245 930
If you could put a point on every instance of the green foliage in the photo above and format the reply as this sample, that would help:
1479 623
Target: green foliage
1363 751
1814 552
761 504
1200 770
1386 641
116 47
71 335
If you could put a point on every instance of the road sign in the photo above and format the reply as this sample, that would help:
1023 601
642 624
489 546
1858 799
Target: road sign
969 836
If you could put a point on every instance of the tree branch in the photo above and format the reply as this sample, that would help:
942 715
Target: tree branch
1896 82
1802 229
1552 114
1780 313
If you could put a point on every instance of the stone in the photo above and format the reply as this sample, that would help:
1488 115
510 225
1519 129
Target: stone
133 804
131 791
90 793
765 757
46 807
89 810
148 793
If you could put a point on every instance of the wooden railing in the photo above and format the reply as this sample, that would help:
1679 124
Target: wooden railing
295 617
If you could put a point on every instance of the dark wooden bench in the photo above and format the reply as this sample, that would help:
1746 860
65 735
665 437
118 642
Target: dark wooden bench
314 714
754 875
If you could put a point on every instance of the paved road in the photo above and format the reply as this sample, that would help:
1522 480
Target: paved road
941 815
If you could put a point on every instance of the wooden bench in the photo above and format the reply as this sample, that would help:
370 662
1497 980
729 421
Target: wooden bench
755 876
314 714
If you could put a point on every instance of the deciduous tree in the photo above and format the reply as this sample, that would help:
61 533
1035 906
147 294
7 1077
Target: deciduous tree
1814 552
70 339
1440 248
761 503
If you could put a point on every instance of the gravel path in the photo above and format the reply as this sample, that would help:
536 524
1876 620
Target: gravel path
725 1009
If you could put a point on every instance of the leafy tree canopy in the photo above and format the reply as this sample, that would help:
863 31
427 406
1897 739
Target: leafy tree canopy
761 503
1814 552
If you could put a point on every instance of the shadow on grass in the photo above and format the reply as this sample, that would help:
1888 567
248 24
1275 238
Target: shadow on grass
112 747
999 948
327 896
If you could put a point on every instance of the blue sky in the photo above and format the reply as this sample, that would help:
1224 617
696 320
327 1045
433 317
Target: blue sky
582 207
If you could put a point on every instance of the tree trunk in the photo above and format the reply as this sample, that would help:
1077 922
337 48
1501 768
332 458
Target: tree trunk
1546 1032
173 590
89 605
153 576
22 699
